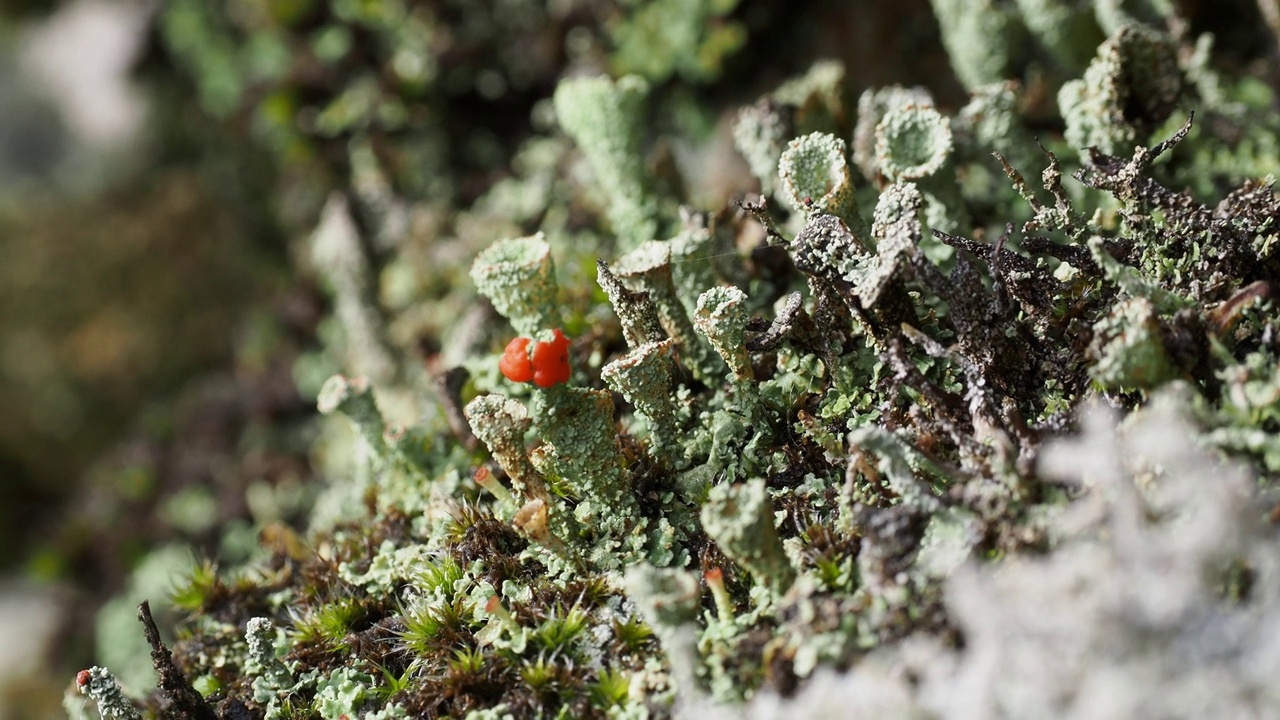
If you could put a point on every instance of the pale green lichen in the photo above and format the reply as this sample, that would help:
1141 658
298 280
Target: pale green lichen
817 97
739 518
872 106
760 133
501 423
272 679
518 277
606 119
854 544
342 694
697 252
649 268
990 121
1129 348
636 312
983 38
580 451
337 251
103 689
722 316
914 143
1115 14
261 637
354 398
666 37
1131 87
815 177
1065 28
896 228
896 464
1131 282
644 377
813 102
668 598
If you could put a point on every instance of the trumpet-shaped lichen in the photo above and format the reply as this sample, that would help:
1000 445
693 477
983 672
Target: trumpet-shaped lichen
1131 86
722 317
644 377
605 119
518 277
815 176
740 520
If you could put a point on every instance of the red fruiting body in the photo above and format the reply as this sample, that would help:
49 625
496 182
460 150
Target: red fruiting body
515 365
548 366
82 680
551 361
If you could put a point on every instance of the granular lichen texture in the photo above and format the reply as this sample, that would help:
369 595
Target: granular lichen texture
962 407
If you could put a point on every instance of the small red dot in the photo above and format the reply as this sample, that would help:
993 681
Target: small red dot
82 680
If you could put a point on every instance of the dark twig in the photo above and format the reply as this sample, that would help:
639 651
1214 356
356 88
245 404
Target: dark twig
184 701
449 387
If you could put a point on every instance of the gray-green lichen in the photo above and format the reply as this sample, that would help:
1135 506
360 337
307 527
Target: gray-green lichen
649 268
1065 28
1129 348
721 315
644 377
815 176
896 229
605 119
1132 86
518 277
336 251
872 106
354 398
982 37
636 311
810 103
103 689
501 424
914 143
760 134
740 520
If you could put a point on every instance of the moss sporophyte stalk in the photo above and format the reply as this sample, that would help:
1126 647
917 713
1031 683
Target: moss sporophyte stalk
943 370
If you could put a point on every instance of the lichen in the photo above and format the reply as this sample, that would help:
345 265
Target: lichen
518 277
797 454
815 177
605 118
1130 88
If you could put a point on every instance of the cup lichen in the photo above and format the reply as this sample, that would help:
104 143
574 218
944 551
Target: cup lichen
739 513
518 277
